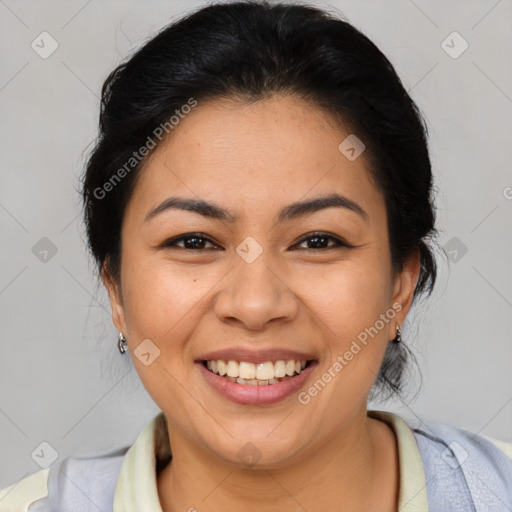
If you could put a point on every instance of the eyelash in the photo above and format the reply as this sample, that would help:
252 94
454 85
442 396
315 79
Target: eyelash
339 242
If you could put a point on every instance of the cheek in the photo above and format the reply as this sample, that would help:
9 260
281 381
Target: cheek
350 303
162 304
351 297
164 301
355 336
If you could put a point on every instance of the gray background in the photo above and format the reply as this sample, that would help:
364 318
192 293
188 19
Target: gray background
62 379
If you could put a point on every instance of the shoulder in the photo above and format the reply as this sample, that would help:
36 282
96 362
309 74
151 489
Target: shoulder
67 484
18 496
464 469
442 435
505 447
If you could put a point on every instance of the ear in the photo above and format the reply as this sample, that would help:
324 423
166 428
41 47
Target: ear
116 303
403 289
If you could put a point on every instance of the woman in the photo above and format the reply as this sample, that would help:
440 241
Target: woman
259 206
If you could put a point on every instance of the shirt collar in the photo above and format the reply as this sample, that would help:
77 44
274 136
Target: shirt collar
136 487
413 485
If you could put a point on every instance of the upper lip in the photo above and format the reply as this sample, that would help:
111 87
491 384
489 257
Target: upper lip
256 356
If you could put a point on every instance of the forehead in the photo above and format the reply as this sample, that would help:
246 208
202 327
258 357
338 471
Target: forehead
256 155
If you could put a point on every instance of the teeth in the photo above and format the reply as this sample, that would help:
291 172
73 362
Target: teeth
260 374
247 370
290 367
264 371
280 369
221 367
232 369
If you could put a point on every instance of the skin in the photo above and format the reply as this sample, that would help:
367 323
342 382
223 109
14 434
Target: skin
253 160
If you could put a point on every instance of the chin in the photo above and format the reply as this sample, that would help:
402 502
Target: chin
256 452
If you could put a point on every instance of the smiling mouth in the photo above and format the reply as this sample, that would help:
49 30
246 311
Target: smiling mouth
260 374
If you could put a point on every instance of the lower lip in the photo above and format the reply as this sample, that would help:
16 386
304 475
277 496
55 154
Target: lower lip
256 395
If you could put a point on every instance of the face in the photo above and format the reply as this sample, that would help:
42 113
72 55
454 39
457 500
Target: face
256 278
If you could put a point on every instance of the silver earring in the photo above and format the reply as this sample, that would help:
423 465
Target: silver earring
398 337
121 343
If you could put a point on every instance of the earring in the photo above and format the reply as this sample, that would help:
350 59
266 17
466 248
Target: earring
398 337
121 343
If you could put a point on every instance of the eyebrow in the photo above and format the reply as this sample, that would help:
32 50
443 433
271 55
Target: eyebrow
288 213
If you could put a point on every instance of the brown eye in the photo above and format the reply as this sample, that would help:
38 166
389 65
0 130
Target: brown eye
191 241
320 240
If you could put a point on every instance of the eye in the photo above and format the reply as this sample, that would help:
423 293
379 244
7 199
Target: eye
198 241
320 240
191 241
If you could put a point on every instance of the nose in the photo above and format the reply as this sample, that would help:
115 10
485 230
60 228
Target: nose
254 294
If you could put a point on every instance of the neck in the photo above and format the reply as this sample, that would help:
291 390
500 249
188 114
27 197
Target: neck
361 475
